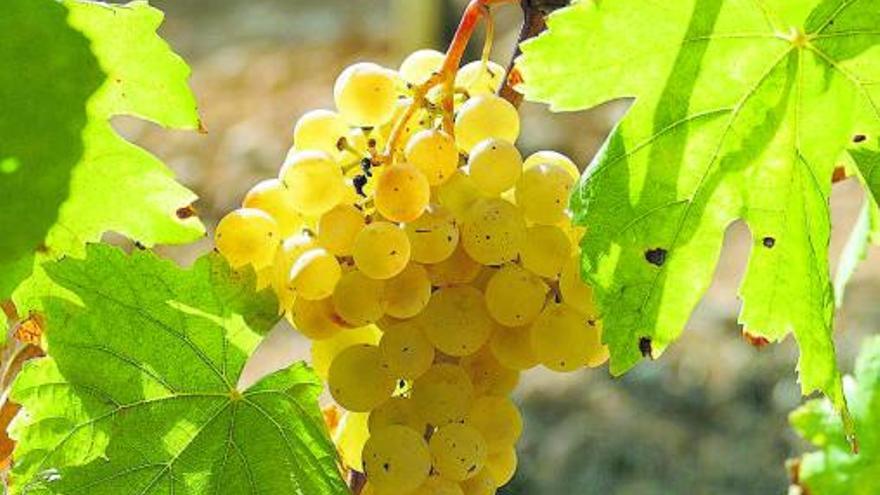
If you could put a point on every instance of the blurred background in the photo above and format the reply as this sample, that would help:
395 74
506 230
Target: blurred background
709 417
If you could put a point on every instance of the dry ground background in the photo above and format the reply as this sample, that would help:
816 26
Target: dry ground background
709 417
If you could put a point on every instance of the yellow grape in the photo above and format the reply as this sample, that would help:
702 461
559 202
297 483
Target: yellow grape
546 251
494 233
542 193
320 130
488 375
574 291
552 158
442 395
350 437
456 320
483 117
358 380
396 411
324 351
502 465
459 194
314 274
433 152
291 249
597 352
458 450
396 459
495 165
420 65
338 228
247 236
478 78
437 485
405 350
433 236
402 193
456 269
407 293
366 94
498 420
314 180
358 299
273 197
315 319
560 338
481 484
512 347
381 250
515 296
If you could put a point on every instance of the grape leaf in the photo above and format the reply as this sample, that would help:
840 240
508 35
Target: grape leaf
140 391
65 175
834 468
741 109
866 232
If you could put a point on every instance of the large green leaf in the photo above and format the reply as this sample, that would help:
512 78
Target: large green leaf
140 391
66 176
741 109
834 469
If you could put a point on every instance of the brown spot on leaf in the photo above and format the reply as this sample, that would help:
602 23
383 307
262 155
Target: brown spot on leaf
186 212
838 175
768 242
645 347
754 340
656 256
860 138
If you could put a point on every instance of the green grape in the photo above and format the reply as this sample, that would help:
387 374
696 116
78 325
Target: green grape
498 420
597 352
433 236
314 180
407 293
350 436
434 153
381 250
314 274
574 291
320 130
502 465
459 194
396 411
542 193
478 78
366 94
483 117
552 158
481 484
291 249
560 338
406 351
488 375
437 485
323 352
443 394
247 236
456 320
315 319
358 299
402 193
396 459
338 228
420 65
458 450
512 347
358 380
515 296
494 233
457 269
495 165
546 251
273 197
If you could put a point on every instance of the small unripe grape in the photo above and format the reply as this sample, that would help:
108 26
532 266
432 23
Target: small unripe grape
396 411
358 380
515 296
502 465
320 130
456 320
433 236
512 347
420 65
574 291
366 94
396 459
552 158
477 78
402 193
458 450
481 484
273 197
314 180
489 376
542 193
546 251
358 299
323 352
443 394
459 194
494 233
434 153
381 250
457 269
483 117
314 274
498 420
405 349
338 228
407 293
560 338
247 236
495 165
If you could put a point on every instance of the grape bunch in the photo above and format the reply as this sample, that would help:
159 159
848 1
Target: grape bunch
428 264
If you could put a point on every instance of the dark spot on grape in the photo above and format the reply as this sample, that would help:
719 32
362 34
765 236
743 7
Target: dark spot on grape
386 467
449 238
645 347
401 383
768 242
393 253
859 138
656 256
